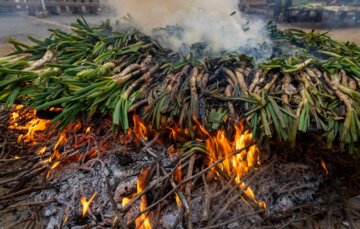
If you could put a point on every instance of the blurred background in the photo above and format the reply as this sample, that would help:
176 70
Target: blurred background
21 18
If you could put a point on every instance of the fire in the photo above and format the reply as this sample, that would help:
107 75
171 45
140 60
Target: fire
171 151
88 130
219 146
143 221
178 179
34 125
66 219
125 201
41 151
126 138
56 156
323 165
86 204
140 129
62 140
177 133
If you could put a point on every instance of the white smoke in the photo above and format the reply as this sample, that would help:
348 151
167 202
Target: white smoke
216 22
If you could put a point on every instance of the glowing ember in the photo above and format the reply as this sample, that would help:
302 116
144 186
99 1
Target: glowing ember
86 204
56 109
143 221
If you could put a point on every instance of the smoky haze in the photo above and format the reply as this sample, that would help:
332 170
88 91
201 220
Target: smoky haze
216 22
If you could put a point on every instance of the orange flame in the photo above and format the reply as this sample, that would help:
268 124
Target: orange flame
86 204
177 133
219 146
88 130
323 165
66 218
126 138
178 179
140 130
143 221
35 124
41 151
171 151
125 201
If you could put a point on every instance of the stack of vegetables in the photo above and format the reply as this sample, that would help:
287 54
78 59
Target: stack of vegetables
95 70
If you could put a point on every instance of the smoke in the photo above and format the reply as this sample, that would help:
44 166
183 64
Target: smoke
218 23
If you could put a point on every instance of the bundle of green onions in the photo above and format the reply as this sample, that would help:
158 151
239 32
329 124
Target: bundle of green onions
94 70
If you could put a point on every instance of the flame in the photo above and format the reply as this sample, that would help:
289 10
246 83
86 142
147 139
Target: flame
171 151
126 138
34 124
55 164
140 130
66 219
86 204
88 130
61 141
178 179
143 221
125 201
323 165
55 158
41 151
219 146
176 133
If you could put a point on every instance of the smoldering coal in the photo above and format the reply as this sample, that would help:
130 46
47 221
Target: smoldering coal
217 24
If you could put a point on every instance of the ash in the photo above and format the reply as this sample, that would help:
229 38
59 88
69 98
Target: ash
288 185
283 187
72 181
